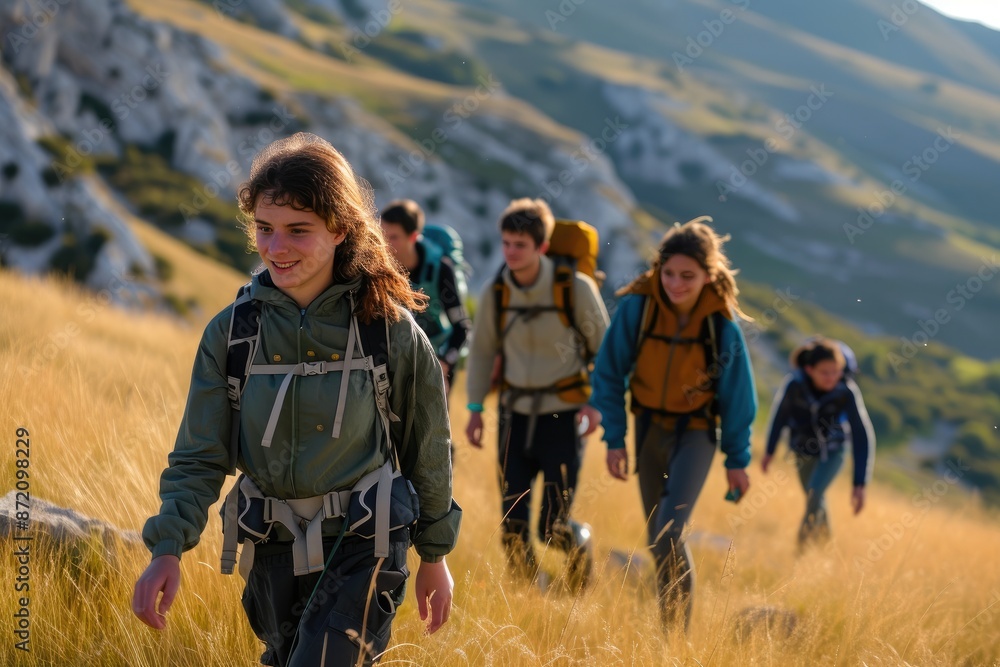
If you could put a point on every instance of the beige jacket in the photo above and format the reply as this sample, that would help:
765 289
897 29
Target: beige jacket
538 351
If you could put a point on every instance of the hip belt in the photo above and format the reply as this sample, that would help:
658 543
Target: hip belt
382 501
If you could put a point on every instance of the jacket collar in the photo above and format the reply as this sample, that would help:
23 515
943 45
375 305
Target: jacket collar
546 271
262 289
708 302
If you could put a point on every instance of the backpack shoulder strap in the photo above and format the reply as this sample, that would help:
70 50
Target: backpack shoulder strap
375 344
244 339
501 303
710 330
646 322
563 295
711 338
564 274
431 269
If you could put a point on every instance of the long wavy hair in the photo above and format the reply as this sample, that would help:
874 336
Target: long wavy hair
307 173
697 240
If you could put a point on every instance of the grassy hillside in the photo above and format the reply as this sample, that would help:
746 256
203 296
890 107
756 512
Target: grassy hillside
889 99
877 290
102 402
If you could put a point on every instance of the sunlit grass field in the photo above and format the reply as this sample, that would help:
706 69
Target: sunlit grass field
913 580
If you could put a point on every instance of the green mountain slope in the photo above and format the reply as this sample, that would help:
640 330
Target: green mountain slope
852 171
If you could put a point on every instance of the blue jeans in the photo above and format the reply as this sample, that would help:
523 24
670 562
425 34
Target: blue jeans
816 476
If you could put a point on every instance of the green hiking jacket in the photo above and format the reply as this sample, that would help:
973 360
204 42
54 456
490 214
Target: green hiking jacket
303 460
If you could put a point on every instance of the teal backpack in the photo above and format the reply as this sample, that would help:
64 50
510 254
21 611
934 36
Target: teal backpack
439 241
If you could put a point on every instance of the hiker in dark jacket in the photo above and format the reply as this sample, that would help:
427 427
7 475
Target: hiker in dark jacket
445 321
814 402
314 420
675 345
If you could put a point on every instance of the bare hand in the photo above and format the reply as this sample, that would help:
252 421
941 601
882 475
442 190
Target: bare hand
474 429
738 479
618 463
163 574
435 586
593 419
858 499
765 462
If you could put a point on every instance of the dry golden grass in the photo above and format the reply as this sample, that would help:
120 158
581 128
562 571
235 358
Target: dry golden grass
102 392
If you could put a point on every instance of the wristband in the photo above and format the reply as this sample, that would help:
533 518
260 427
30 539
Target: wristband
475 407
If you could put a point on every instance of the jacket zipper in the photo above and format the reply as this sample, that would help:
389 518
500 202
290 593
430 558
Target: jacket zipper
295 405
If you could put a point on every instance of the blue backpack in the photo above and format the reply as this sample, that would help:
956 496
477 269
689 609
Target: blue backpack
439 241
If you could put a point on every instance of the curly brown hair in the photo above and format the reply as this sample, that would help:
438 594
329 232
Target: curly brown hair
697 240
307 173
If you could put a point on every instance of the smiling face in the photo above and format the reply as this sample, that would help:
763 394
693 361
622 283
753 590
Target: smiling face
683 279
520 252
825 375
297 249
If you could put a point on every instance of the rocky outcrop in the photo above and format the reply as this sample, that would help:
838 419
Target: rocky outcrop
62 528
47 219
657 151
774 622
104 80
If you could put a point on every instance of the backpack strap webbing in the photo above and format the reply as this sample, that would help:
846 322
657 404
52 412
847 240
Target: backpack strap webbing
714 373
563 284
375 345
646 324
244 338
563 289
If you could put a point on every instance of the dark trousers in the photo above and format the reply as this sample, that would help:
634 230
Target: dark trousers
555 451
328 632
671 475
